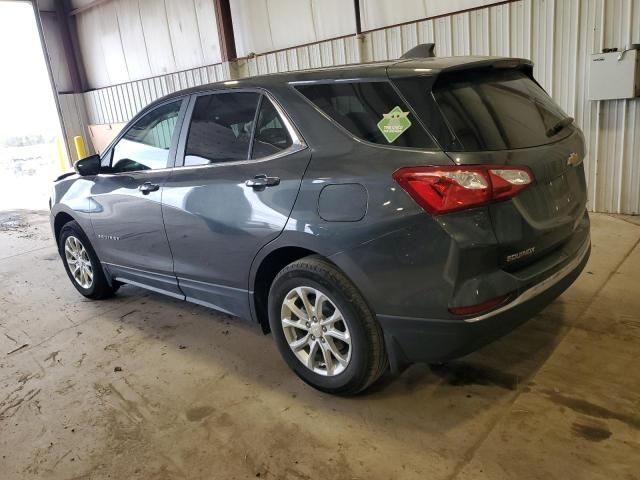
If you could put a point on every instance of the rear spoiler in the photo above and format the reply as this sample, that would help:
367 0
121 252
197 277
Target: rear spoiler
434 67
419 53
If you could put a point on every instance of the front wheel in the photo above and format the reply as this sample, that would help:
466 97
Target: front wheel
324 329
82 264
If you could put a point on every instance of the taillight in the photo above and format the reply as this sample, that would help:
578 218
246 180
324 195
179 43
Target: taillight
450 188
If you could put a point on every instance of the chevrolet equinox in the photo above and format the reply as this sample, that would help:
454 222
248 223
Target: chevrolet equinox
368 216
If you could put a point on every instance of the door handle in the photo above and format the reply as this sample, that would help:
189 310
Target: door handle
261 181
147 187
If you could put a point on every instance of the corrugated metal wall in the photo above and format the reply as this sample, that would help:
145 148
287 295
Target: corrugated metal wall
120 103
558 35
266 25
127 40
382 13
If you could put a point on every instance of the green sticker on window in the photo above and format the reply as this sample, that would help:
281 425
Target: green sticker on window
394 124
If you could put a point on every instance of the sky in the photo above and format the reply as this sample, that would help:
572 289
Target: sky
26 99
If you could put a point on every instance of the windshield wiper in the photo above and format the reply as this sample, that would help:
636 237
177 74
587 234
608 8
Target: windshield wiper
564 123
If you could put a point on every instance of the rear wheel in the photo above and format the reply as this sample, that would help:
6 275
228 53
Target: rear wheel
82 264
324 329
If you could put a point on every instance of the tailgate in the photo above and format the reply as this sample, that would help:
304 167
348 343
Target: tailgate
545 215
497 114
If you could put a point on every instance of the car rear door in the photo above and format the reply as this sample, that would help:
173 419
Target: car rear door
238 170
126 210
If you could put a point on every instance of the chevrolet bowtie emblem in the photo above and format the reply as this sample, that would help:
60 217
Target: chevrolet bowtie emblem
573 160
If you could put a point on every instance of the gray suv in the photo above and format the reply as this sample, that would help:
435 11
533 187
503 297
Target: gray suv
369 216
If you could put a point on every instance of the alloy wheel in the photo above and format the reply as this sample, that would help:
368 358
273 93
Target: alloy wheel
316 331
79 262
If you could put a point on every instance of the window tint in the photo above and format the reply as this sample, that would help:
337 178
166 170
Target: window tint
271 136
497 110
221 127
146 144
360 107
418 92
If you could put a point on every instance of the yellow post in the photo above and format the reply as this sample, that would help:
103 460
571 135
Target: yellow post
62 156
80 149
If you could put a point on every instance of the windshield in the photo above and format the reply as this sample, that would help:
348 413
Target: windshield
487 110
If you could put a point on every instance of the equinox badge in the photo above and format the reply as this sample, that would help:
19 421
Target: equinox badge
524 253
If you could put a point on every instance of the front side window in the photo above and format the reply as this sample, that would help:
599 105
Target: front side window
371 111
221 128
146 144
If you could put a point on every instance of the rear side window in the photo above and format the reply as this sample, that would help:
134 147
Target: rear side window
371 111
271 135
221 128
487 109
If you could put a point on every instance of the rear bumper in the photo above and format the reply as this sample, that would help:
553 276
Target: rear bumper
411 340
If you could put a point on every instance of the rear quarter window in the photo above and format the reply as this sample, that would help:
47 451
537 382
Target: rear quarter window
360 106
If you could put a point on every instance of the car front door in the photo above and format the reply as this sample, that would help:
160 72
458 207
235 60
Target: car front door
126 208
240 165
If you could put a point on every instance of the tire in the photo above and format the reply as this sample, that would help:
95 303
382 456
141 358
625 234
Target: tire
359 362
74 244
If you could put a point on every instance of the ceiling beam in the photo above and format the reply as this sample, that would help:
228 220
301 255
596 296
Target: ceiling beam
356 8
66 34
225 30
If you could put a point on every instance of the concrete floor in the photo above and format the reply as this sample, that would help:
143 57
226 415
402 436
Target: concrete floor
143 386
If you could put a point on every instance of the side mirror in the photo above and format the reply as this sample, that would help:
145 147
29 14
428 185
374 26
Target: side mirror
88 166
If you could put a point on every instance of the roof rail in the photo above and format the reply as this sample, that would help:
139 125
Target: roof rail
424 50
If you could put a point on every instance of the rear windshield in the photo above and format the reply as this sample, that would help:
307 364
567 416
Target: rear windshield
485 109
372 111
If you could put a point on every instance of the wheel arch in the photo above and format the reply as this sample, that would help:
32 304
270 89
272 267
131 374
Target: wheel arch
269 266
60 220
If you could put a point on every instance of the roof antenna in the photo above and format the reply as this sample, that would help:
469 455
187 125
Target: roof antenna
424 50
